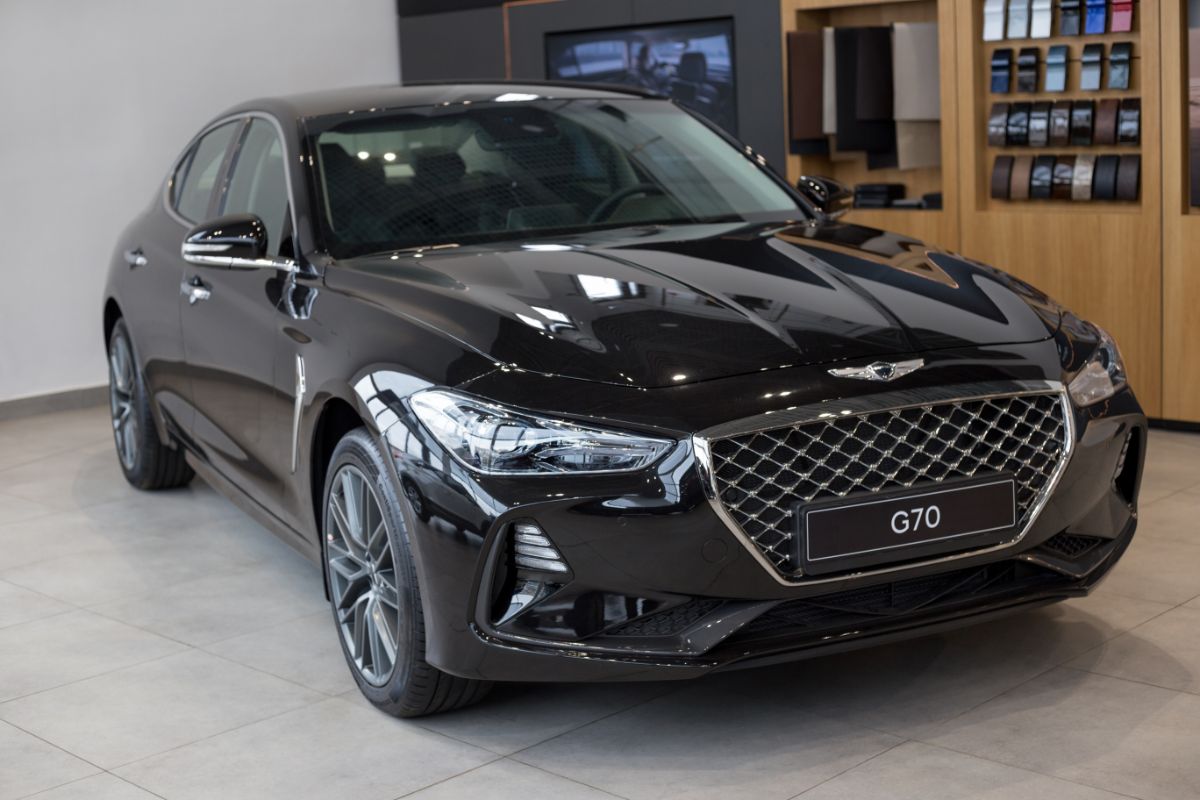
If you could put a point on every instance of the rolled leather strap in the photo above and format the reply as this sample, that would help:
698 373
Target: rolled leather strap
1002 61
1106 121
1122 16
1064 177
1002 177
1018 124
1082 113
1018 19
1039 125
1022 176
1027 69
1057 58
1092 69
1041 182
1081 180
1120 65
1070 17
1041 18
1129 178
998 125
1060 124
1096 20
1129 124
1104 183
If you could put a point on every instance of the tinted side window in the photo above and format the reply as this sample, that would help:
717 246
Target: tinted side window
192 193
258 184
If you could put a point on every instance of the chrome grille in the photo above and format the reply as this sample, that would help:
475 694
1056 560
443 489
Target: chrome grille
761 476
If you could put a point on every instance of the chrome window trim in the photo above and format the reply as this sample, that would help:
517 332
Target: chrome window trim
888 401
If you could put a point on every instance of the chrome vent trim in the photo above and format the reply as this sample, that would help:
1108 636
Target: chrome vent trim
800 416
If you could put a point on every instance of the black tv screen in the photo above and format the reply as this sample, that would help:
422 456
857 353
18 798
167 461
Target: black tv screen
689 61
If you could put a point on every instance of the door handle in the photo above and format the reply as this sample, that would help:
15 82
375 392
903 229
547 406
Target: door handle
135 258
195 291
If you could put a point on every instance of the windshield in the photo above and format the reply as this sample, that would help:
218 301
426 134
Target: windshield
510 170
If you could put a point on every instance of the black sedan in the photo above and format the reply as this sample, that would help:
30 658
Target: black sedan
562 384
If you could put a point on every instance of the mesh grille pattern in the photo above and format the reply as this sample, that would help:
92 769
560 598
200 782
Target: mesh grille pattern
670 622
760 477
1070 545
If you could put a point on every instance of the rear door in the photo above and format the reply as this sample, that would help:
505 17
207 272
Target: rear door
231 331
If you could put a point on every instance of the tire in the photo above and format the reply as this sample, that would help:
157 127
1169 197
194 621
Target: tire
373 591
146 462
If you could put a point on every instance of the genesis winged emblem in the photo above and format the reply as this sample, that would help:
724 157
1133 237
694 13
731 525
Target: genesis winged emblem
880 370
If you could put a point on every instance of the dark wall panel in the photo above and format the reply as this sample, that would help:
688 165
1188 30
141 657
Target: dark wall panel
460 45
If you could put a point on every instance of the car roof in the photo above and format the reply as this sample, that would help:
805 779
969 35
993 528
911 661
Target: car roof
340 101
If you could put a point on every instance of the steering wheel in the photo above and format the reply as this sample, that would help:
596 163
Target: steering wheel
610 203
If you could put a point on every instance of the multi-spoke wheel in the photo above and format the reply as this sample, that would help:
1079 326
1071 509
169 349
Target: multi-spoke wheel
373 588
145 460
362 575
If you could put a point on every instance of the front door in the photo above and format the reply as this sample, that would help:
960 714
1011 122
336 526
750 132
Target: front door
231 329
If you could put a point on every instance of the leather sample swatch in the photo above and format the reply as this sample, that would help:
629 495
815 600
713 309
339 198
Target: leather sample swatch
1027 69
1104 183
1120 65
1070 17
1018 124
1093 68
876 103
1064 177
916 72
1129 122
1082 122
1106 121
855 132
1041 17
918 144
1022 176
1002 177
1129 178
1081 182
805 63
1039 125
1002 63
998 125
1056 68
1041 183
993 20
1018 19
1096 19
1060 124
829 83
1122 16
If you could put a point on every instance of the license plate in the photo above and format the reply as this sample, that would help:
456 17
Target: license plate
899 526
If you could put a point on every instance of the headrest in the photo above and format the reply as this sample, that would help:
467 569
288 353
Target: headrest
438 166
692 67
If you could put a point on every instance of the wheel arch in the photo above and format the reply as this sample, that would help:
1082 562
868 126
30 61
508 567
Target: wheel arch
112 313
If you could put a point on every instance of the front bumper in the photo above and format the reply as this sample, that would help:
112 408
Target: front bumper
662 588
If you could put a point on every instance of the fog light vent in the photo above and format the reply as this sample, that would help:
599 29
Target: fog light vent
1125 476
534 552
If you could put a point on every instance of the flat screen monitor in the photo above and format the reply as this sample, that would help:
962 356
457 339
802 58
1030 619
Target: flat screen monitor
689 61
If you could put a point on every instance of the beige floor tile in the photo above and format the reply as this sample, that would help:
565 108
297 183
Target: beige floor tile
65 533
19 605
509 780
71 480
221 606
1164 651
136 712
1105 732
28 764
305 651
1158 570
332 749
104 786
39 655
706 743
915 771
1173 518
15 510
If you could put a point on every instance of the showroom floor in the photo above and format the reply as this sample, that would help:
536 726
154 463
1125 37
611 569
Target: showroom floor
166 646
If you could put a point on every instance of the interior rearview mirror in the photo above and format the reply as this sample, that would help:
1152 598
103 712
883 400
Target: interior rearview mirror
833 199
236 241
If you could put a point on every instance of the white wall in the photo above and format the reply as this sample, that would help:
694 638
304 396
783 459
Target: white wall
96 99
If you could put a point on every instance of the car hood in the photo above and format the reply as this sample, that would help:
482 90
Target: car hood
652 307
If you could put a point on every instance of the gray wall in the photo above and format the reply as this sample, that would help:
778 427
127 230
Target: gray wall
470 44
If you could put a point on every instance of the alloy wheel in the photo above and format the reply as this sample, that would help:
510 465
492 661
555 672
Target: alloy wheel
121 388
362 575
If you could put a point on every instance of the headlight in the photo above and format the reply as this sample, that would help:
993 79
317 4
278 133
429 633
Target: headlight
501 441
1102 377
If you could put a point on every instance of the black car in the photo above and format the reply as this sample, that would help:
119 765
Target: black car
562 384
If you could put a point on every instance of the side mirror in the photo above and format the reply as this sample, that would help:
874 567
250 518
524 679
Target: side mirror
831 198
236 241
